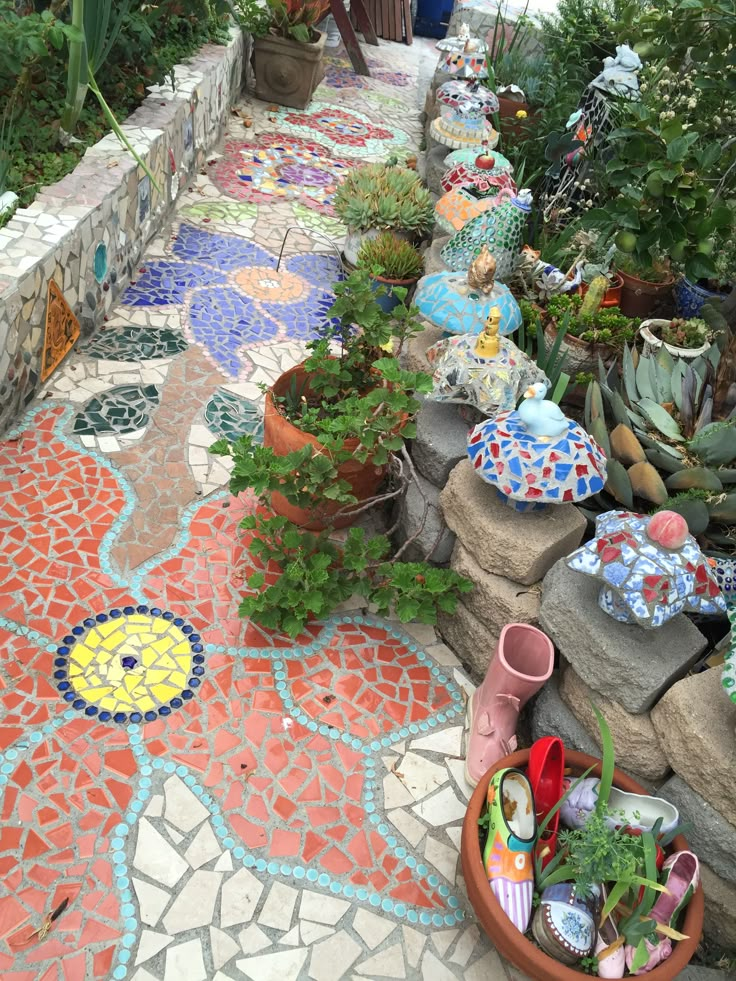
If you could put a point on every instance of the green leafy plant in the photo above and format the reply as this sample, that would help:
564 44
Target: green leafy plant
357 395
551 360
682 332
384 196
391 257
607 325
282 18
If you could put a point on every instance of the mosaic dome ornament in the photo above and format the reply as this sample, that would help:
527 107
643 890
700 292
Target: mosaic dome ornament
485 174
531 472
650 568
469 155
130 665
485 371
463 56
457 207
502 230
463 110
277 166
461 304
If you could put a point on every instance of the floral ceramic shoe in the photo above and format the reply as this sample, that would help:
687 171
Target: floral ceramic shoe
681 875
609 947
507 856
564 924
638 811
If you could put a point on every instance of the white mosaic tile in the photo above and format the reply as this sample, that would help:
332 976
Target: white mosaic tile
395 793
239 898
420 776
185 962
224 863
253 939
448 742
152 901
312 932
155 807
194 906
434 970
441 940
150 944
465 946
143 975
372 929
183 809
443 808
279 906
408 825
203 848
292 938
387 963
489 968
414 942
223 947
332 958
282 966
321 909
443 857
457 769
155 857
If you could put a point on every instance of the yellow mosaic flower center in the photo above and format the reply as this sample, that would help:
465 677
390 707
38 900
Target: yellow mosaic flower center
132 663
264 283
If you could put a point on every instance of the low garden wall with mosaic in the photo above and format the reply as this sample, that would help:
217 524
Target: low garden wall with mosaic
64 259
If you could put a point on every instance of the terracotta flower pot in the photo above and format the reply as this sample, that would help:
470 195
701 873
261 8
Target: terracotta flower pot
639 296
284 437
508 940
612 296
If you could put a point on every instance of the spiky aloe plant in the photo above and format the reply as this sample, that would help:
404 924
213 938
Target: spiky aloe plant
668 428
394 257
384 196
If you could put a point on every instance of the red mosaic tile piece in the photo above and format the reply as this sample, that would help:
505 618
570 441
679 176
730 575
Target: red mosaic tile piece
29 698
44 861
58 505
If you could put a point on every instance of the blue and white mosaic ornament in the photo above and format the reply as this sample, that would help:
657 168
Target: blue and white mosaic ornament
530 472
448 301
642 580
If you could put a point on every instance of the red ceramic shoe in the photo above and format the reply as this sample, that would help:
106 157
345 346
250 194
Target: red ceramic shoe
546 772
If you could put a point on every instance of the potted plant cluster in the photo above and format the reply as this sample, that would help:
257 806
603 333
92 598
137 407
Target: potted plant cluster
391 262
378 197
615 892
683 338
334 432
592 332
288 52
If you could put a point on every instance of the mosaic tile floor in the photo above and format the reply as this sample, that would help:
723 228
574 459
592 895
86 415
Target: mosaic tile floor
195 799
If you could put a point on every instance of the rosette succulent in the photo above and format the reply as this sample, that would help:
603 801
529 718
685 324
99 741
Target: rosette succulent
384 196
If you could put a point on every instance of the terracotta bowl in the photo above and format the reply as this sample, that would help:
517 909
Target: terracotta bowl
508 940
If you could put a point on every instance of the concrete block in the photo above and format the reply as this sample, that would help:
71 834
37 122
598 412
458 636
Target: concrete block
441 441
434 165
434 541
496 601
469 638
637 745
414 355
622 661
433 261
551 717
719 924
695 723
521 547
711 836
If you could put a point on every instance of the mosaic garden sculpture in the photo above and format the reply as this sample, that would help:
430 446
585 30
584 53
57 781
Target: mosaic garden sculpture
469 155
487 372
463 115
502 230
485 173
457 207
537 457
463 56
462 303
650 568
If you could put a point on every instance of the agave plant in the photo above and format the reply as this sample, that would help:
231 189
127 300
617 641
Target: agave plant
384 196
668 428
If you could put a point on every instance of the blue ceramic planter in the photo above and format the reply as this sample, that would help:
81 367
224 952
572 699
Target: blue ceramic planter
689 298
389 300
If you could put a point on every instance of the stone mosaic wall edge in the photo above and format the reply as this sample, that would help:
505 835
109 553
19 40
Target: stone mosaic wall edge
87 232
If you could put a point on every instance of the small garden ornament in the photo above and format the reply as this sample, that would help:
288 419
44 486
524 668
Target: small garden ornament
463 115
650 568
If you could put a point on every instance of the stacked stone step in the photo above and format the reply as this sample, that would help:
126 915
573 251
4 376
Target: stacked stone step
673 731
505 554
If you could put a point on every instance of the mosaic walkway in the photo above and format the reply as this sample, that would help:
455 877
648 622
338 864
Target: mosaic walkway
183 797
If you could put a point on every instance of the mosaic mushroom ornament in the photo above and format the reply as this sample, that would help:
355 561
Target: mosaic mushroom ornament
650 568
463 110
486 173
535 456
463 56
503 230
486 372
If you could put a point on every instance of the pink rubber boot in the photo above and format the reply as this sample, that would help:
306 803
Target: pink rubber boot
522 663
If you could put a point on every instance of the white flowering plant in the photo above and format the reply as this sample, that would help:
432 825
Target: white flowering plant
668 170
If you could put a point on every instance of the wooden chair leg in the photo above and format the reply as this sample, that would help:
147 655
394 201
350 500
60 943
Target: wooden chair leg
338 11
364 21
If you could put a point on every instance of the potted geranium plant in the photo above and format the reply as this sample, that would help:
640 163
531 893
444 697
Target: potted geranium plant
334 430
287 50
392 262
376 197
686 339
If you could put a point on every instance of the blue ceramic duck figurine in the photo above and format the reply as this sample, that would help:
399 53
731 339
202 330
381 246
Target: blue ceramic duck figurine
541 416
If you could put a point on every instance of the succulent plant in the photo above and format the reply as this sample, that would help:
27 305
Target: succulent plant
393 257
384 196
668 428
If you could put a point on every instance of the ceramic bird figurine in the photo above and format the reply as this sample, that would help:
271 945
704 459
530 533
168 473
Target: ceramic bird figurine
541 416
482 271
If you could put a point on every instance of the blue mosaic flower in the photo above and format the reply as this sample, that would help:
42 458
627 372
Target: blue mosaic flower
234 296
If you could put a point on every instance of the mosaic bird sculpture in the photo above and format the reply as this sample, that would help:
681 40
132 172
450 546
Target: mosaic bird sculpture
541 416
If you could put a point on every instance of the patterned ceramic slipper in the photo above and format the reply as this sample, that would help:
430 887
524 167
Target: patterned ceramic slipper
564 924
508 852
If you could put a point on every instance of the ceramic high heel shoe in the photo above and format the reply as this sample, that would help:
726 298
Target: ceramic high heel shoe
546 775
637 811
507 855
609 947
681 875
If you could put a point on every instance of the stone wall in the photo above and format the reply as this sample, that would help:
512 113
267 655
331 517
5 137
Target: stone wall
87 232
